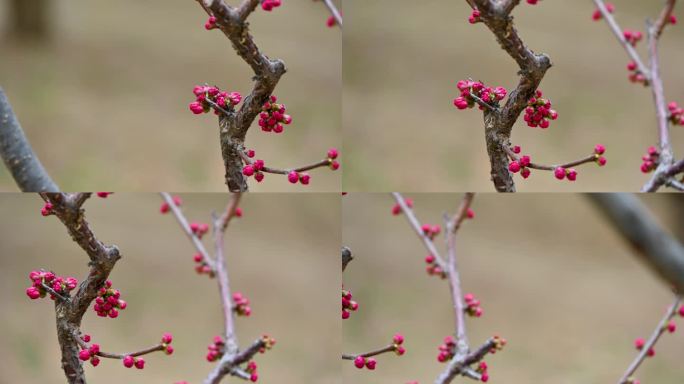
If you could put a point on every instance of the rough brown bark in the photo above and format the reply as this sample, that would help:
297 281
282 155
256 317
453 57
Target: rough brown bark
499 122
267 72
69 312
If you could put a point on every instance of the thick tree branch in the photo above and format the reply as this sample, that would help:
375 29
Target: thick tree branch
18 155
638 227
533 67
67 208
233 127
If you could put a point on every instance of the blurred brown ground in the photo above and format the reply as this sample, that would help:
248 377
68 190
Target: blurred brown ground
402 60
553 279
283 254
106 105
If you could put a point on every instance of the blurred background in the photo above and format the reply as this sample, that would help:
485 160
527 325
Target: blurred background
283 255
102 89
554 280
401 64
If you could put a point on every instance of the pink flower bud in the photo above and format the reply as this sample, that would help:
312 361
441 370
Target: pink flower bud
167 338
293 177
140 363
559 173
84 355
359 362
398 339
128 361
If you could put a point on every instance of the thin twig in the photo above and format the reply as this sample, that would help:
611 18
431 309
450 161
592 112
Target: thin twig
278 171
379 351
334 12
589 159
415 224
660 329
183 222
618 32
453 275
224 283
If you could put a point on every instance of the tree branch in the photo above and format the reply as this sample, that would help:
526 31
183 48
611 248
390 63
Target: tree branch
663 253
417 227
220 225
660 329
346 257
334 12
233 127
453 225
16 152
533 67
379 351
67 208
183 222
661 175
618 32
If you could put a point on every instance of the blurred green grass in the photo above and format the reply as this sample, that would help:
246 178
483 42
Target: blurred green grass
105 106
400 67
283 255
553 278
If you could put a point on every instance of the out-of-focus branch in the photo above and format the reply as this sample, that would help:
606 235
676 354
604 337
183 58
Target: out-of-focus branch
16 152
638 227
